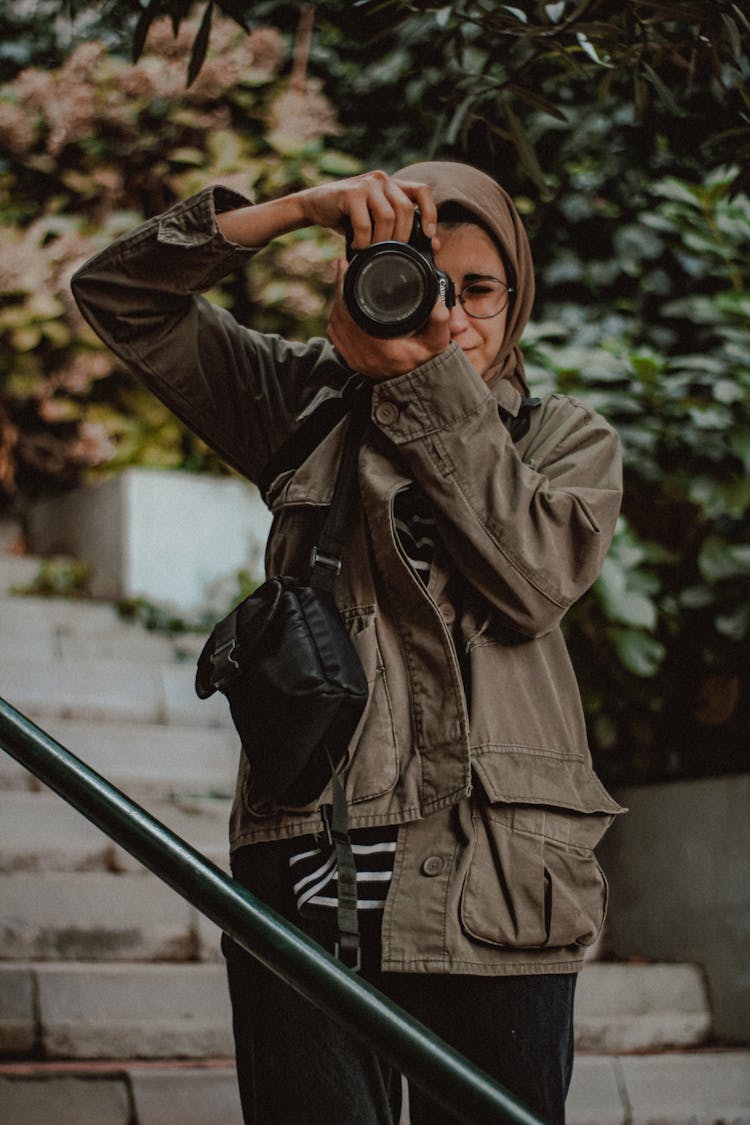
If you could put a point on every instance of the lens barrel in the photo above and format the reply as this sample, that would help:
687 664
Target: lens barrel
390 288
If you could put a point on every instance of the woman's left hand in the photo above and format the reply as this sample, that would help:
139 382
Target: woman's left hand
384 359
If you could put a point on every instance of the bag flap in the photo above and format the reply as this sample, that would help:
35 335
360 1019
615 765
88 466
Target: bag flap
241 630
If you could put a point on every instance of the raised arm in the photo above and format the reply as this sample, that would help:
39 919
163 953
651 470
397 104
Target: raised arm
237 388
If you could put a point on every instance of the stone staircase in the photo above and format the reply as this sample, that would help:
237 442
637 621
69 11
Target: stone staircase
113 1006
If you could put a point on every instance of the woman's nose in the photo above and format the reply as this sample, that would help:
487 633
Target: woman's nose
458 318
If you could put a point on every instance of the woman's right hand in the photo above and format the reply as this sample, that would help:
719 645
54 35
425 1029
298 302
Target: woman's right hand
377 206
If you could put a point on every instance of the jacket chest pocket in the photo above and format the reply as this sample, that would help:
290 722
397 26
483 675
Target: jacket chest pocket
532 877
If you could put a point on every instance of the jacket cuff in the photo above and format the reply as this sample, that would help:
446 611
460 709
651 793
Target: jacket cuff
189 225
192 221
438 395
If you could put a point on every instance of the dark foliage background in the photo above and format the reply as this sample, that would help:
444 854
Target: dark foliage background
621 130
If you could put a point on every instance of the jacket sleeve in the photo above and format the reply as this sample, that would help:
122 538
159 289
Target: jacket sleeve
531 534
238 389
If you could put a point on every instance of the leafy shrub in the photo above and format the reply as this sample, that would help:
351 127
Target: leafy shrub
661 645
89 150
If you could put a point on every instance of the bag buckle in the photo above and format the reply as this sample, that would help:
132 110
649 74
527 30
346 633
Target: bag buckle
319 559
357 963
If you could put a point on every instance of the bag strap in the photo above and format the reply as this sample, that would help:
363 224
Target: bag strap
326 555
316 424
335 818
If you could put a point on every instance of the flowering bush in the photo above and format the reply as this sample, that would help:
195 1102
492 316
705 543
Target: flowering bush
89 150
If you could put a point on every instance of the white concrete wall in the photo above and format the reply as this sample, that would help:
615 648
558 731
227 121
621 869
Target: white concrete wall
171 537
678 865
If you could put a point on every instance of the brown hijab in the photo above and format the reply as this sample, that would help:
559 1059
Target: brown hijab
478 193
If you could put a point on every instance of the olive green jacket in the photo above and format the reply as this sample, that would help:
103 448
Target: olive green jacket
473 738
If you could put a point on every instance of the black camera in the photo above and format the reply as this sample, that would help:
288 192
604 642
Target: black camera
390 288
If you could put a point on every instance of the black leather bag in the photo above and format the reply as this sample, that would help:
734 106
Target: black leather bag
294 682
285 662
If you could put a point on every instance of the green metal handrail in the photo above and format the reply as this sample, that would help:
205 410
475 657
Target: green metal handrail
425 1059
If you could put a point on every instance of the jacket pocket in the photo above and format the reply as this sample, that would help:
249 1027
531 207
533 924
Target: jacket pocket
533 880
373 750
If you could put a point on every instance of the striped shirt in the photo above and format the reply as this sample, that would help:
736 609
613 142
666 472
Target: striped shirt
312 863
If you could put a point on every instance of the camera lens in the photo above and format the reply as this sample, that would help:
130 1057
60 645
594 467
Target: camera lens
390 288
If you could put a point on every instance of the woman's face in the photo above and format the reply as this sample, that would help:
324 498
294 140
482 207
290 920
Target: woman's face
467 253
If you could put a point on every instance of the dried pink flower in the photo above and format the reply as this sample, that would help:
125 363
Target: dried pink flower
17 129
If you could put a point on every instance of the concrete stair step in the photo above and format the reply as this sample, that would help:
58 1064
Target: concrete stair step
69 627
697 1087
107 689
98 916
143 759
91 1010
126 1093
681 1088
18 570
641 1007
41 832
115 1010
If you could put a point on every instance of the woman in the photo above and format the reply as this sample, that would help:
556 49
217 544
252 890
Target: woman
482 515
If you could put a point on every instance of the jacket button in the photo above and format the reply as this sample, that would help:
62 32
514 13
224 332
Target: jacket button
386 413
433 865
448 613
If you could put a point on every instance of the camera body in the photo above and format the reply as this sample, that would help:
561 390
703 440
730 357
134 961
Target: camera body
390 288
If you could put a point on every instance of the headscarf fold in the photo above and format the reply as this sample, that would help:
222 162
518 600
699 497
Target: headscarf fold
477 192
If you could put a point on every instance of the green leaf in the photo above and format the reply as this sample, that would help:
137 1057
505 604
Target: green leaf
334 163
727 391
739 442
733 36
200 46
620 600
736 623
638 652
555 12
696 597
146 18
526 153
536 101
179 10
719 560
589 49
517 12
719 498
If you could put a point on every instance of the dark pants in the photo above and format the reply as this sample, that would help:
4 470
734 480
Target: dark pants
296 1066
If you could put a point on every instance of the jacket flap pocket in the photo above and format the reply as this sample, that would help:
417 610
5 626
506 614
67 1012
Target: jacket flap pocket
522 777
532 878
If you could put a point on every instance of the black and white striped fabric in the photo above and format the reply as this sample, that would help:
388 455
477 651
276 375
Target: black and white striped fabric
416 529
315 874
312 863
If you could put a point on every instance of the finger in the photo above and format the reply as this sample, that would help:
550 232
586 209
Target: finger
421 195
383 215
403 209
361 221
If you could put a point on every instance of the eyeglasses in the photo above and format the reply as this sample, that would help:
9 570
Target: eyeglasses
484 298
